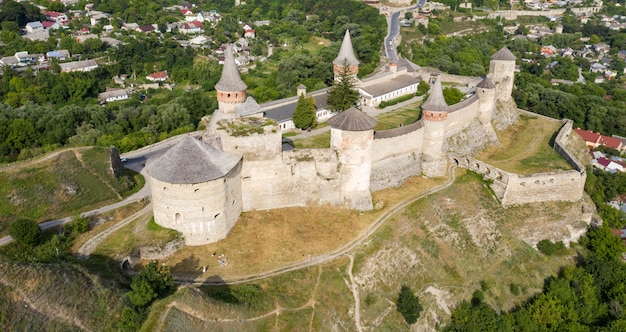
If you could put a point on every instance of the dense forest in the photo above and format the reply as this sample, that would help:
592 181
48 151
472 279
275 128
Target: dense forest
45 109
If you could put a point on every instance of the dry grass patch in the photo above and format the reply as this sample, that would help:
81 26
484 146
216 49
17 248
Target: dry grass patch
526 147
264 240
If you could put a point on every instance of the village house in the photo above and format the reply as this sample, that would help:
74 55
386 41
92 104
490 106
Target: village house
191 28
594 140
60 55
34 27
57 17
50 25
81 66
160 76
548 51
113 95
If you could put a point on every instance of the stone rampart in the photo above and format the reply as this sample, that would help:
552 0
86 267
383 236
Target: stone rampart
461 114
560 145
513 189
302 177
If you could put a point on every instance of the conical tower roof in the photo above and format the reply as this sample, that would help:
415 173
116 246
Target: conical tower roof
230 80
436 102
486 84
346 52
352 120
503 54
192 161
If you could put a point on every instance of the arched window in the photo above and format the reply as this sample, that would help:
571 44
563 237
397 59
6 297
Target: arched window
178 218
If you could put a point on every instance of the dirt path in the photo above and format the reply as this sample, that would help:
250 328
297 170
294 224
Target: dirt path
55 312
79 156
90 245
27 163
355 293
324 258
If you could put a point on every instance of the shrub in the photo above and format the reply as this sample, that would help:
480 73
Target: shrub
391 102
408 305
515 289
549 248
478 297
25 232
78 225
154 281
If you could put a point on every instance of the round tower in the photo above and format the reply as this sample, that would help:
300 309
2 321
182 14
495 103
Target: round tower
502 71
434 115
345 58
196 190
352 135
231 90
486 91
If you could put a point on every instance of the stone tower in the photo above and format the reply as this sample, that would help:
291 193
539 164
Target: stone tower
502 70
346 57
231 92
434 115
486 91
352 135
196 190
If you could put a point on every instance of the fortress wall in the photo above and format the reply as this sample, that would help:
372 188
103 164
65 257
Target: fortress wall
390 147
302 177
560 145
255 146
445 77
461 115
540 187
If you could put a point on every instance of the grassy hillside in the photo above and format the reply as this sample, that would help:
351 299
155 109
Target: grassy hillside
45 297
71 182
444 247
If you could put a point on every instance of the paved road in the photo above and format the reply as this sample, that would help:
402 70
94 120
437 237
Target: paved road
135 161
393 30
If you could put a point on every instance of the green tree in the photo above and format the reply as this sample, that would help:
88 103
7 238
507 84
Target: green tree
422 88
343 94
408 305
154 281
25 232
452 95
604 244
304 115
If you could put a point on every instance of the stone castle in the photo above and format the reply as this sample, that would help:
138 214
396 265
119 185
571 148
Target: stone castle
200 187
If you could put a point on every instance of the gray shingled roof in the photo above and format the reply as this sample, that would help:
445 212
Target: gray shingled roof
503 54
390 85
248 107
486 84
230 80
436 102
285 111
346 52
352 120
192 161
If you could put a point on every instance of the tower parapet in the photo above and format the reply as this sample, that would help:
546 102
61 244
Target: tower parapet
502 71
352 135
346 57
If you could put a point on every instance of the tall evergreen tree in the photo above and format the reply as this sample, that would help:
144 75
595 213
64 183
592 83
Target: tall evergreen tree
304 115
343 94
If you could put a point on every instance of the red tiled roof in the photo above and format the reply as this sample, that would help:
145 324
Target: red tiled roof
53 14
604 161
610 142
588 136
146 28
159 74
47 24
197 24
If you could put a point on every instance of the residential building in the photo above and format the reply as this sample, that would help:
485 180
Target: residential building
160 76
84 65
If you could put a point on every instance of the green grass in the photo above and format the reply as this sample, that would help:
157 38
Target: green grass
526 148
63 293
62 187
394 119
321 141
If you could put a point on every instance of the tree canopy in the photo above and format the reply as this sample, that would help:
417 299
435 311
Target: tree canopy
343 94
